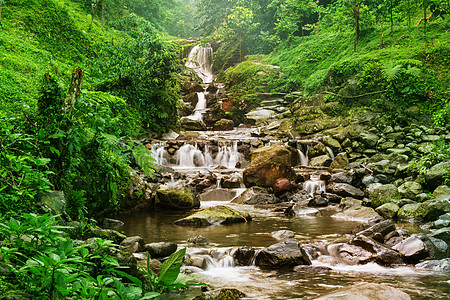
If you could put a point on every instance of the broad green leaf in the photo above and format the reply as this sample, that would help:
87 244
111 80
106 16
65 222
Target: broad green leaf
170 269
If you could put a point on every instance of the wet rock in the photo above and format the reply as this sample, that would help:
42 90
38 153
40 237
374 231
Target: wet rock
441 192
131 240
111 223
442 222
388 210
176 197
359 213
408 211
256 195
320 161
442 234
340 161
161 249
268 164
442 265
332 143
380 254
52 202
192 87
133 248
431 210
223 125
218 195
198 241
332 197
435 175
317 150
413 249
108 234
370 140
214 216
318 201
341 177
231 182
204 184
283 235
402 202
366 291
385 192
212 88
345 190
312 269
300 211
221 294
281 186
410 189
194 125
383 228
243 256
282 255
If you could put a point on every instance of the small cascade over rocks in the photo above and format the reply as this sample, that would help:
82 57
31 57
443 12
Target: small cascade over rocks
201 61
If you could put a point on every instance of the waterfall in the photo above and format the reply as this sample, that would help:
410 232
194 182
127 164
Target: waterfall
330 152
303 158
189 156
200 60
159 153
313 186
199 108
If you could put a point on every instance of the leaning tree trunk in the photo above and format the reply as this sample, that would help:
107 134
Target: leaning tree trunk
356 15
74 91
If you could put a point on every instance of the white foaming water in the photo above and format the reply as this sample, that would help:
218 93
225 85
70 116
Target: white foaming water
159 153
303 158
330 152
200 60
189 156
200 108
313 186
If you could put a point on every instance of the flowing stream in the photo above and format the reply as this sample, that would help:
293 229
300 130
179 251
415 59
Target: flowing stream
312 232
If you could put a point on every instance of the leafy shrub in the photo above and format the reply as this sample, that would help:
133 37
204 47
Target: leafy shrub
437 152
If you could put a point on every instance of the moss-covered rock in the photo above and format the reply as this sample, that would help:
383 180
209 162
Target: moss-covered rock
435 175
176 197
388 210
268 164
215 216
431 210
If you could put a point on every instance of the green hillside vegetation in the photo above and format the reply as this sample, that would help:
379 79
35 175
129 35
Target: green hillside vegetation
129 86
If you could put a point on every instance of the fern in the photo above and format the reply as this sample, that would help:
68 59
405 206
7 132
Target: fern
391 72
413 71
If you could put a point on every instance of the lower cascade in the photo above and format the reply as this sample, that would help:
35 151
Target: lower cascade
308 233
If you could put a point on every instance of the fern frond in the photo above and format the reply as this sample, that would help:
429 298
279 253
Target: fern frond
413 71
391 71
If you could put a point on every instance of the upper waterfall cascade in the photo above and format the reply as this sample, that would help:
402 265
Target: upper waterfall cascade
201 61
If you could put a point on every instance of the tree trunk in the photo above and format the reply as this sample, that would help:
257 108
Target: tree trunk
356 15
425 3
391 8
74 91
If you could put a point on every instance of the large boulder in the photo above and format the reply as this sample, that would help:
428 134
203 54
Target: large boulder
410 189
282 255
321 161
268 164
441 192
408 211
256 195
431 210
385 192
160 249
369 140
53 202
412 248
190 124
366 291
223 124
215 215
340 161
176 197
435 175
379 253
345 190
388 210
354 211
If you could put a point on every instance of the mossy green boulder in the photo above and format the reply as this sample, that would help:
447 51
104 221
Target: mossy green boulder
216 215
176 197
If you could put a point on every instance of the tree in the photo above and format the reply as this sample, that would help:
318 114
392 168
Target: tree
1 3
355 7
240 21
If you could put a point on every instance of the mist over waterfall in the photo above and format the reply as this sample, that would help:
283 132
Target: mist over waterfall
201 61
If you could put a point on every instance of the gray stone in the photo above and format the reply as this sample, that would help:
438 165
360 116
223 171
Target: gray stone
341 177
283 235
285 254
410 189
442 234
198 241
367 291
320 161
412 248
408 212
431 210
332 143
442 222
176 197
112 223
441 192
218 195
379 253
383 228
231 182
359 213
340 161
442 265
255 195
215 215
243 256
402 202
132 240
435 175
53 202
385 192
195 125
345 190
388 210
161 249
369 139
